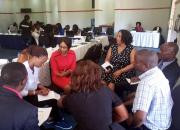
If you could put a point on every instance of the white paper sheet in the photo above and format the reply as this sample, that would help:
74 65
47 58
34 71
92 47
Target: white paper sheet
105 65
43 114
51 95
131 83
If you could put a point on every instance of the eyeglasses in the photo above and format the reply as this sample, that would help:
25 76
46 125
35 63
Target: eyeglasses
63 47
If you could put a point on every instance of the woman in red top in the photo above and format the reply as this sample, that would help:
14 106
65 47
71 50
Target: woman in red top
138 27
63 62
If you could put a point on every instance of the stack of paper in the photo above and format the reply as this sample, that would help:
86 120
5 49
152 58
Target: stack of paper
43 114
132 83
51 95
106 66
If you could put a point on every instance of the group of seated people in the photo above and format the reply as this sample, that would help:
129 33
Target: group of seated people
95 98
158 29
37 30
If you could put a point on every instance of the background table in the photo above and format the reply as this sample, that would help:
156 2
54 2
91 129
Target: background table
146 39
17 42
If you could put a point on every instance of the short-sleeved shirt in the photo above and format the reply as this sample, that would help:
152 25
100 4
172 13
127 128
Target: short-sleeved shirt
153 96
93 110
33 80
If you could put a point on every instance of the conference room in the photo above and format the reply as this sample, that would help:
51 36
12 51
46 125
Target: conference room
90 64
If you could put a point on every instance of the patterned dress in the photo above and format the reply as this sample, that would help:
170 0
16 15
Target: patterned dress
119 61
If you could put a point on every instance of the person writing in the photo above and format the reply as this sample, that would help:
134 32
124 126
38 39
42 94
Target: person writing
37 57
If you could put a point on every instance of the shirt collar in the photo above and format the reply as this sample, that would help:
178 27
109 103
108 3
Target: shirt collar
14 91
168 62
149 72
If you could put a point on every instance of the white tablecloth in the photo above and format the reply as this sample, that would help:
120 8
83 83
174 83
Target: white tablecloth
2 63
146 39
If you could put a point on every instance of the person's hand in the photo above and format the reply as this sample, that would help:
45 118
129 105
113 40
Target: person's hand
117 73
43 92
65 73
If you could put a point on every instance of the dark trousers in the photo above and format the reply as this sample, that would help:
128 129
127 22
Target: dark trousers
143 127
48 103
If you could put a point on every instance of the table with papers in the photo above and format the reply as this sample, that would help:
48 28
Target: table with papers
43 113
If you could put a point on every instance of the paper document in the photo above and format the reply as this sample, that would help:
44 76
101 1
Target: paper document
106 66
43 114
51 95
131 83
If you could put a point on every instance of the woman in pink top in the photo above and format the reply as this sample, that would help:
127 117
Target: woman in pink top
63 62
138 27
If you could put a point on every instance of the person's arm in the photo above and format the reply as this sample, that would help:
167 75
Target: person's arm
142 103
121 113
42 90
72 65
128 67
54 66
129 99
138 118
60 101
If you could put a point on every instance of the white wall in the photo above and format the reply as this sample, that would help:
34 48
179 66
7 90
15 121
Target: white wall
126 19
81 18
122 18
5 19
106 15
14 6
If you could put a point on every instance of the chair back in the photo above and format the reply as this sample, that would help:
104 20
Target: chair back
94 53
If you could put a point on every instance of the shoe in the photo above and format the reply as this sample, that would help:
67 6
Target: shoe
63 125
49 124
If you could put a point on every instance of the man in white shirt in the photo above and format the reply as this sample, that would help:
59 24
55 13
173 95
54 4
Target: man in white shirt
153 103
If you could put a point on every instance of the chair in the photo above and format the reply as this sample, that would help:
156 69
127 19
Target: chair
159 30
94 53
112 41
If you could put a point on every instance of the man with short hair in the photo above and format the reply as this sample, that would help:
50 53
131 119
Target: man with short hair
153 103
168 62
16 114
